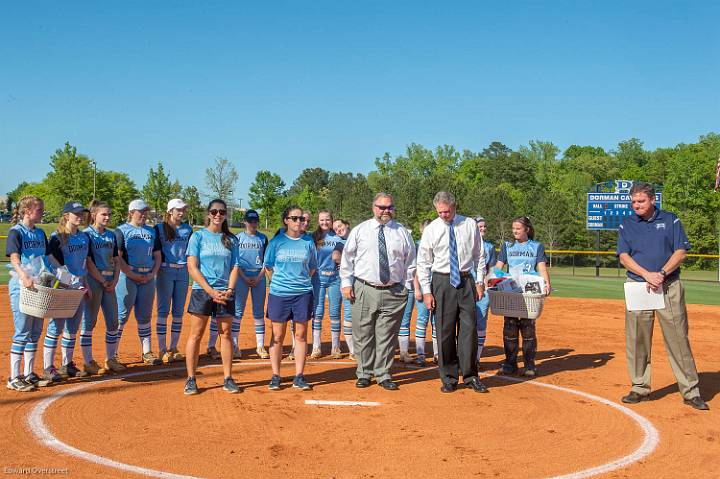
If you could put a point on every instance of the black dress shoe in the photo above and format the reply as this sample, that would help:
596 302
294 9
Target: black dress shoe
362 383
388 385
476 385
634 398
448 388
697 403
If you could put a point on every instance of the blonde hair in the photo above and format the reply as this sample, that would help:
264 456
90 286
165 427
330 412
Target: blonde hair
26 203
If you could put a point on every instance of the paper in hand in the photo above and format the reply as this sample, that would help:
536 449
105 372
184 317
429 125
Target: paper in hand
638 298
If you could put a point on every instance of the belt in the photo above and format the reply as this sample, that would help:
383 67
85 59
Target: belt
141 270
252 270
107 272
173 265
463 274
328 273
376 286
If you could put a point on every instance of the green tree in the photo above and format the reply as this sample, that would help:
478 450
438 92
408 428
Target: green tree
194 212
220 180
70 178
313 178
159 189
266 194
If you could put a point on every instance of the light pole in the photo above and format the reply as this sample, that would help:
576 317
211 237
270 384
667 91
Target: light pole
94 164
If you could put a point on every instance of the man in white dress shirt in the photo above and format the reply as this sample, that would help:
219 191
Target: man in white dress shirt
450 248
376 270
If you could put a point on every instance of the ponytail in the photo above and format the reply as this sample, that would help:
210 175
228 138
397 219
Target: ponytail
26 203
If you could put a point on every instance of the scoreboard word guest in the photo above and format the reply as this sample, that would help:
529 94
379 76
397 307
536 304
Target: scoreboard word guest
606 210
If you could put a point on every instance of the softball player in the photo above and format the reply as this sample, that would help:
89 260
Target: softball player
529 254
251 280
24 242
342 229
314 279
404 332
212 255
68 247
172 278
140 259
291 261
103 274
325 240
481 306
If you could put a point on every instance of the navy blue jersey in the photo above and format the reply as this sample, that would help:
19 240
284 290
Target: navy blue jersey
527 255
27 242
137 244
103 248
174 251
73 253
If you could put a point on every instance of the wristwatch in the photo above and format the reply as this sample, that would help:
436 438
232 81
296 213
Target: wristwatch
663 273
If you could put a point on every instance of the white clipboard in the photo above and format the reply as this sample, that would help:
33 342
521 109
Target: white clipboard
638 298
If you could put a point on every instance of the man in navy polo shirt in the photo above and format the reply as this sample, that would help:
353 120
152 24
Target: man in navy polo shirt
652 245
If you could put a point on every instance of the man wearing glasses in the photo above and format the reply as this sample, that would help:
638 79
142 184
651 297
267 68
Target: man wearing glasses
376 270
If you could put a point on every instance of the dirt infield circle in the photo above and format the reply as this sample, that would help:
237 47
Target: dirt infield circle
291 431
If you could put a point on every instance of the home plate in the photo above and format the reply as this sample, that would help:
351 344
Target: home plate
316 402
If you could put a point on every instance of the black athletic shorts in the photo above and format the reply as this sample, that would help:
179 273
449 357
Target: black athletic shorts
201 303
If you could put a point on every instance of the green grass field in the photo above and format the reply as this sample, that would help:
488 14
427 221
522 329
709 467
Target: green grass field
696 292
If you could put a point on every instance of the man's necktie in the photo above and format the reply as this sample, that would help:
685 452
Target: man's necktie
454 266
383 257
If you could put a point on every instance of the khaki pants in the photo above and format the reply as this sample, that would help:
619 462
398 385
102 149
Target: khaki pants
376 317
674 326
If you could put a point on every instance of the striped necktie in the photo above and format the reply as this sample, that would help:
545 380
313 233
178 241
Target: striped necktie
383 257
454 266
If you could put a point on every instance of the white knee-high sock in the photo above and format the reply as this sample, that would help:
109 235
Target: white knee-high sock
420 345
29 357
404 343
316 339
67 348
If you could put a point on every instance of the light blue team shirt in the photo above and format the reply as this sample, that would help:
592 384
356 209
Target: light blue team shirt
174 251
137 244
103 248
73 253
27 242
251 252
215 260
325 250
291 261
527 255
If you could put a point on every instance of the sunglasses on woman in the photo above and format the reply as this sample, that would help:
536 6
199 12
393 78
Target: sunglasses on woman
215 212
301 219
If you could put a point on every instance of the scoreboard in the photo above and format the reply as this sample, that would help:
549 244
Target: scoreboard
605 211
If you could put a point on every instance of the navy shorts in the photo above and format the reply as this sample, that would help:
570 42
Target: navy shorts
281 309
201 303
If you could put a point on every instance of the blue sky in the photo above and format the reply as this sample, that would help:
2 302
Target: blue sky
335 84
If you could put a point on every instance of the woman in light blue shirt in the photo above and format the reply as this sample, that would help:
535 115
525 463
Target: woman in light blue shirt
172 279
325 240
291 261
212 261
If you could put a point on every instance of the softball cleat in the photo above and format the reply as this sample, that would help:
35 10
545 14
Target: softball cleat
335 353
262 352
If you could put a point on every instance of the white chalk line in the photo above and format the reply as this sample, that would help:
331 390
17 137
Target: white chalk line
651 437
320 402
37 426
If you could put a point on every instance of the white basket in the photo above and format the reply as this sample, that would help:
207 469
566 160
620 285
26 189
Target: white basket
43 302
516 305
